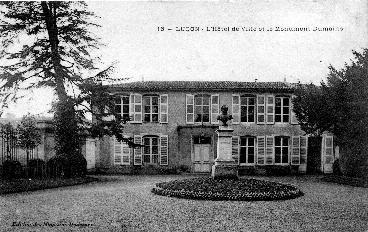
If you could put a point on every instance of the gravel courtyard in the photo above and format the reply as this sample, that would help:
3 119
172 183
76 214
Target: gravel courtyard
125 203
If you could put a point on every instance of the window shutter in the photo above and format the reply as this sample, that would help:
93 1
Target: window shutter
295 151
125 160
236 109
190 108
261 148
164 157
138 150
164 108
328 150
303 149
117 151
261 109
269 149
136 108
235 148
293 119
215 108
270 110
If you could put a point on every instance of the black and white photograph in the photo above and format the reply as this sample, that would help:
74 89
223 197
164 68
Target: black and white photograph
184 115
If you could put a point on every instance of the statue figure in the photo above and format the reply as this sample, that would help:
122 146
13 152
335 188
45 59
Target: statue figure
224 117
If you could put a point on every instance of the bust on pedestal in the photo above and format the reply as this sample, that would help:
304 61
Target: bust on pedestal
225 166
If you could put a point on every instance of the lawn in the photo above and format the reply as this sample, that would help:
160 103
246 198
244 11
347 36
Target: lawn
125 203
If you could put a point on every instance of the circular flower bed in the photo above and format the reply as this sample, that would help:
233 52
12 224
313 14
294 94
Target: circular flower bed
206 188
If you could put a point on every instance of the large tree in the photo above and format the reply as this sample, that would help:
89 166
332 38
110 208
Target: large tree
48 44
340 106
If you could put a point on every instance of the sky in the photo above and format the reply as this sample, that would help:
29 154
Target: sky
137 36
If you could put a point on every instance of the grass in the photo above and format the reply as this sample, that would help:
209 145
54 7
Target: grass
206 188
23 185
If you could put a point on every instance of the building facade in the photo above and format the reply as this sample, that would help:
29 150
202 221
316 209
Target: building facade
176 121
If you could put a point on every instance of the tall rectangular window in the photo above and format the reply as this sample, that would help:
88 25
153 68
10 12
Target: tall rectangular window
247 150
122 106
282 109
150 106
247 108
150 150
281 150
202 108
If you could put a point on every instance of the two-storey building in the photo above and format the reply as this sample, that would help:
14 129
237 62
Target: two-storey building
176 123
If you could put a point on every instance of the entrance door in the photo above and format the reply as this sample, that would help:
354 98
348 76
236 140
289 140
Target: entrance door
201 154
314 155
202 158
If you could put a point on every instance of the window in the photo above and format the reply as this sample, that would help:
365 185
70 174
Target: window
202 108
281 150
247 150
122 106
150 105
150 149
121 153
247 106
282 109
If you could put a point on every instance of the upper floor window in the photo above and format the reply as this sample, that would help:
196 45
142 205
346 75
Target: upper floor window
150 106
247 108
281 150
122 106
282 109
202 108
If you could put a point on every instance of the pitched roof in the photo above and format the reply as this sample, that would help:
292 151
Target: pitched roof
205 85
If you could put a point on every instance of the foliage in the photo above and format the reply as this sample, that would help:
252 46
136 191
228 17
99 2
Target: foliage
9 137
36 168
340 105
336 168
28 135
67 166
49 44
206 188
11 169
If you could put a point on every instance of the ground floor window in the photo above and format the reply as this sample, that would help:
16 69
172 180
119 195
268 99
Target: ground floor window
247 150
150 150
281 150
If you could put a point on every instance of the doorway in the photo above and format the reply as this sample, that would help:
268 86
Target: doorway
201 155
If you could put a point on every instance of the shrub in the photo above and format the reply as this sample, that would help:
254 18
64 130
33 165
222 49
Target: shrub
206 188
64 166
56 166
36 168
77 167
275 170
12 169
184 168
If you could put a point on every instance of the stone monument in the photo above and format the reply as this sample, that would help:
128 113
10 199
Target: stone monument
225 166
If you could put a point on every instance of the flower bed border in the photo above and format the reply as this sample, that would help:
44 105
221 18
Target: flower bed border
294 192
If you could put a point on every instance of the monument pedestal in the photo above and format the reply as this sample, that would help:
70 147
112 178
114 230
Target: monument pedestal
225 166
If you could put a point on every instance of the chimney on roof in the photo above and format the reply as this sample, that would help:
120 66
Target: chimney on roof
142 78
285 79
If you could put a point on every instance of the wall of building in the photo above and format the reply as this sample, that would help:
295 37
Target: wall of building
180 133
